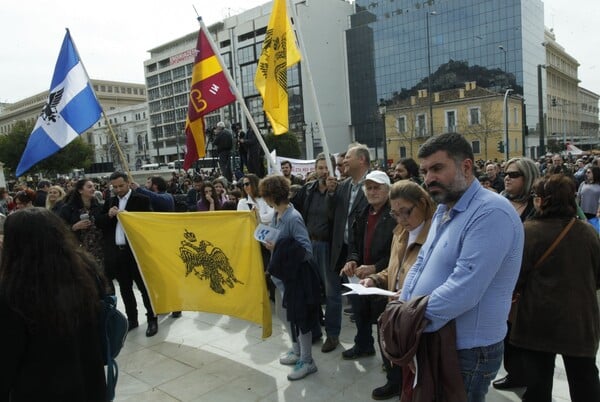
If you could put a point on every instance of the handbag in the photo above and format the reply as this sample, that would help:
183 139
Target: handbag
517 295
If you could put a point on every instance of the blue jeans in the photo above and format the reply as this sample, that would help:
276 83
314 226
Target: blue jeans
478 367
333 289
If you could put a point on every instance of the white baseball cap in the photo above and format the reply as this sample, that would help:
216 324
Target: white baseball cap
378 176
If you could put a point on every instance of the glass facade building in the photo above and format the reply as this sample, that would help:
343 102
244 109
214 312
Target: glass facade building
394 46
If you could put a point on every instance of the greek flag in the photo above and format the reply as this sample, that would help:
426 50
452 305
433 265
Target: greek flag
71 109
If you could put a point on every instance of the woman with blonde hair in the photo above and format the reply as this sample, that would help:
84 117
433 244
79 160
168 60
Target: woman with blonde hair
412 208
54 199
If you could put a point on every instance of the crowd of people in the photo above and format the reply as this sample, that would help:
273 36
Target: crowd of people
460 243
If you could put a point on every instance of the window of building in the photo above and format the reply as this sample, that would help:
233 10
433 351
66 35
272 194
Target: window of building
403 152
515 115
401 124
421 125
450 121
476 145
474 115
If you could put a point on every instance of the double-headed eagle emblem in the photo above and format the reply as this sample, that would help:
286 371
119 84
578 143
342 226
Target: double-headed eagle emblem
207 262
49 111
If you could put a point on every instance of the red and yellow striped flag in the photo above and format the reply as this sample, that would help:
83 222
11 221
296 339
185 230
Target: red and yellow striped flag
210 91
279 52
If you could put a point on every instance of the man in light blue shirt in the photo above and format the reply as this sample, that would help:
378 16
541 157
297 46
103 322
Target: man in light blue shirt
470 262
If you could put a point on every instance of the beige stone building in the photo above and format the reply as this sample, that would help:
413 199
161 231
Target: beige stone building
472 111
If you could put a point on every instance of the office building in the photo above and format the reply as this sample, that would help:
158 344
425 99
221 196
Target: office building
395 46
320 26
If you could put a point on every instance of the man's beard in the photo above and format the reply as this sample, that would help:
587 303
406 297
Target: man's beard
450 193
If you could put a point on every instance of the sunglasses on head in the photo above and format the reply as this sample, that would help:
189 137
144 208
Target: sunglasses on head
514 175
246 184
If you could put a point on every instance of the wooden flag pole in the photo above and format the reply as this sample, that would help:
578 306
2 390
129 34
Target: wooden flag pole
239 97
124 164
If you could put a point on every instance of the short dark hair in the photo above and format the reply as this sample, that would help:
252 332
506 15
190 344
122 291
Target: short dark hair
286 163
455 145
43 183
321 157
276 188
117 175
410 165
159 182
557 192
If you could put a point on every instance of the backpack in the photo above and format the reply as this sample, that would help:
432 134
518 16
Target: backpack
113 332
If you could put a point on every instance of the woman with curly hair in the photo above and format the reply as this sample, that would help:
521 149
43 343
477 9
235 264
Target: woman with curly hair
208 198
24 199
49 307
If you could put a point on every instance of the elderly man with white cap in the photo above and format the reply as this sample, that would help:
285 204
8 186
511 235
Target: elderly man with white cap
369 252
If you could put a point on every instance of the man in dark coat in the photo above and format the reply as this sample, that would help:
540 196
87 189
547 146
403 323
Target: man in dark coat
224 143
119 261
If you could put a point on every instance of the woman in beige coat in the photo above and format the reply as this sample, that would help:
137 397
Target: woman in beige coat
412 208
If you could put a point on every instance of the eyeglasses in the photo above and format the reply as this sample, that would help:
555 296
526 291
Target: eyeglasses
246 184
403 213
514 175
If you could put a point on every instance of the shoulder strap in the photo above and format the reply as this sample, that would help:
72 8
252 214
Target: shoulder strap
556 241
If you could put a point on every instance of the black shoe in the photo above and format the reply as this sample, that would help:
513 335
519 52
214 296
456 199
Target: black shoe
175 314
507 383
355 353
152 327
330 344
132 325
387 391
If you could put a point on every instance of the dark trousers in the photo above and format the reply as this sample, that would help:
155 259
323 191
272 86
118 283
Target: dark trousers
513 361
366 310
225 164
127 273
582 376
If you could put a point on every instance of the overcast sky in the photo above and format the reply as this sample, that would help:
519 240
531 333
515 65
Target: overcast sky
113 37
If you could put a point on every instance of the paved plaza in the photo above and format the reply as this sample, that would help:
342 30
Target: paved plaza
208 357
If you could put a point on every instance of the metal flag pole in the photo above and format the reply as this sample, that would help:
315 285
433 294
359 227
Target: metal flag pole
305 65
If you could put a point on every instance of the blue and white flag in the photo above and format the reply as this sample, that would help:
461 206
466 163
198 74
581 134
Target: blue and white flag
71 109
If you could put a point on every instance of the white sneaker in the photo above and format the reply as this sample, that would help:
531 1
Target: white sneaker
301 370
289 359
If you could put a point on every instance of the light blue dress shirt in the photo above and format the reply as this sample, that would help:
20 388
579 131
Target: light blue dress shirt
469 266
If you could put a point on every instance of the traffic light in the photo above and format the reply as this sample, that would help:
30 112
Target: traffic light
500 147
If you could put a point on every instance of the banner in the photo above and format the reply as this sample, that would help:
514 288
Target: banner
205 261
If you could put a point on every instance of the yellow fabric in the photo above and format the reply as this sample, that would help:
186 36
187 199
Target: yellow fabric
279 52
207 68
206 261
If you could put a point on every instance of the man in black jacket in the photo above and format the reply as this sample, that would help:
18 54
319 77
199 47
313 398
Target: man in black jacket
224 143
118 257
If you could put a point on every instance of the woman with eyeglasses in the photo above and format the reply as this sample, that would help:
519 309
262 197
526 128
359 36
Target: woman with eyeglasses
589 192
251 201
412 208
557 311
519 176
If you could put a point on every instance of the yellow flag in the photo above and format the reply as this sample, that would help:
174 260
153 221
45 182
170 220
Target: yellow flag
279 51
206 261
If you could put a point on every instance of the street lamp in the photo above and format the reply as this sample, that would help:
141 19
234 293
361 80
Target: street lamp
541 109
506 138
382 109
505 64
429 94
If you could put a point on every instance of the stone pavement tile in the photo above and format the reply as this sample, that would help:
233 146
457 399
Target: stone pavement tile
152 367
192 385
152 395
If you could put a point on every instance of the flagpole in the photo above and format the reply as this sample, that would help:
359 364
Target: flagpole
106 121
305 65
238 95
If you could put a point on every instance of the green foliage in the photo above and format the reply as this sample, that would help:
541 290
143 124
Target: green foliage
285 144
78 154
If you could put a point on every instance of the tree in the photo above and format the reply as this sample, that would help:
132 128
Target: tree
78 154
285 144
490 124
